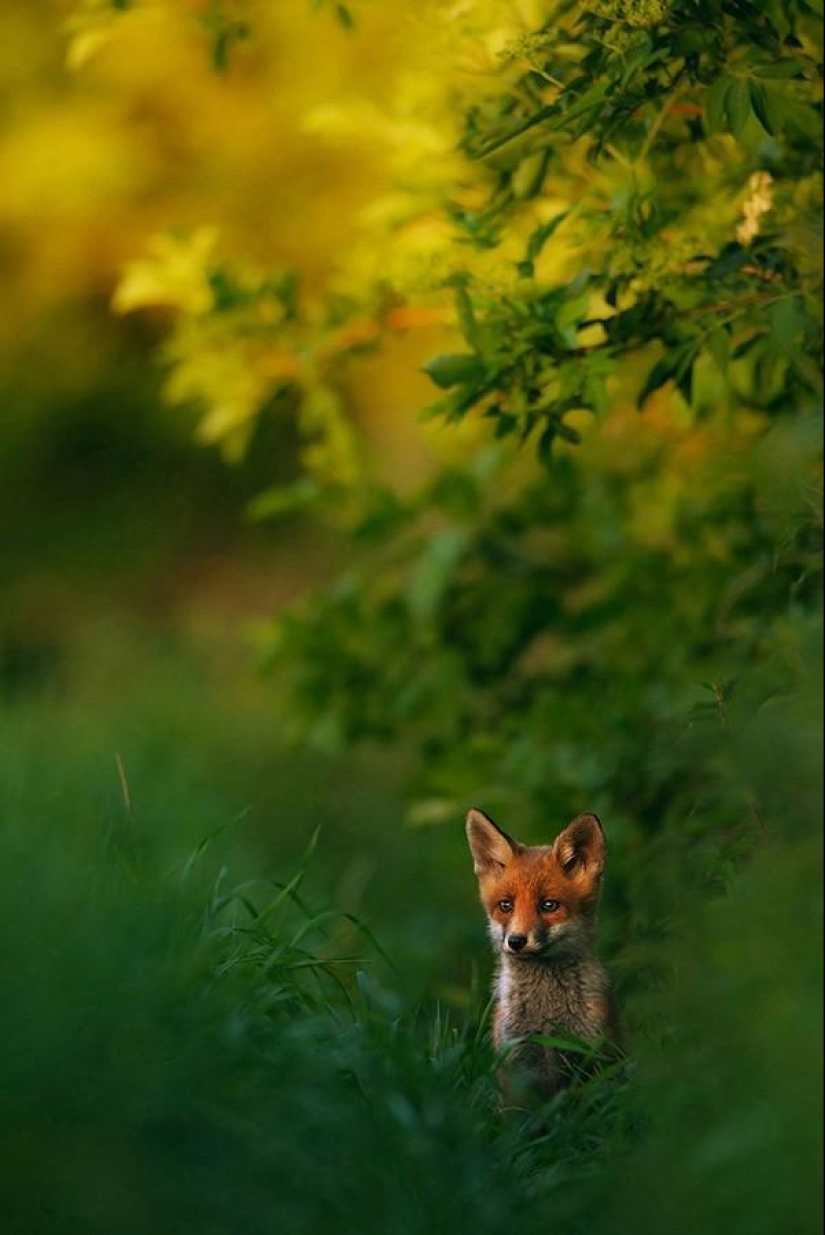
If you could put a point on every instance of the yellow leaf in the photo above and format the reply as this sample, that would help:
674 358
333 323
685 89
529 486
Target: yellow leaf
175 275
85 45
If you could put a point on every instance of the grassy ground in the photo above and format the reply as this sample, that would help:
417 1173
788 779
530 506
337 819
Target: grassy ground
192 1043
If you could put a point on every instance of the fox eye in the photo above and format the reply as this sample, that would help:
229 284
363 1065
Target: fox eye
505 906
549 906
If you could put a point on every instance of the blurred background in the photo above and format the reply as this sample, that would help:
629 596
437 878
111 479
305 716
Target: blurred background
130 566
228 620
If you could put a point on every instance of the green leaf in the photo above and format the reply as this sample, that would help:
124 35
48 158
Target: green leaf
637 58
781 70
285 499
529 176
759 102
738 106
568 433
803 117
226 36
523 126
683 376
595 393
718 344
569 316
715 105
466 313
542 234
587 103
749 345
544 448
505 425
787 318
661 372
451 369
434 571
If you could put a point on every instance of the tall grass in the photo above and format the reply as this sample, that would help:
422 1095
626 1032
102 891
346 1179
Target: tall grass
194 1040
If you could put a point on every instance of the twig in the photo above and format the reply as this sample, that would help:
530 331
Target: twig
124 786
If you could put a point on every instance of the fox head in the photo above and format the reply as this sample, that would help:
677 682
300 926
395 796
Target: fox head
540 899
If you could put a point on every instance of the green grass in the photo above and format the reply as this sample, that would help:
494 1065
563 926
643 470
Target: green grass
207 1037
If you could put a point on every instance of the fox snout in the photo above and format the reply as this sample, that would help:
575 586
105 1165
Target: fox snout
532 944
520 939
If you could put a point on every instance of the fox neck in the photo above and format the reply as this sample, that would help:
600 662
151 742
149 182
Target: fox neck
567 993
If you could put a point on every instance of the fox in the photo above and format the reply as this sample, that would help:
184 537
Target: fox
541 906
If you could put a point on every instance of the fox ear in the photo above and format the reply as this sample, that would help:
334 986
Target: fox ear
491 848
579 849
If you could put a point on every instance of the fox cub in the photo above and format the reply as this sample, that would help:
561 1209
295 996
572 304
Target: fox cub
541 904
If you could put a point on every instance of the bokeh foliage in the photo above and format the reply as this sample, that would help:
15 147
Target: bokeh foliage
597 584
628 222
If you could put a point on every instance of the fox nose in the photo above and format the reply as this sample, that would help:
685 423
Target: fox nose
516 942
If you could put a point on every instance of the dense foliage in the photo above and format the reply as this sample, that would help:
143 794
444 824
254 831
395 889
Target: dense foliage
632 221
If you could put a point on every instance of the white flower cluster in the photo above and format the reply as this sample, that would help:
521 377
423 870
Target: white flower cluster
757 204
